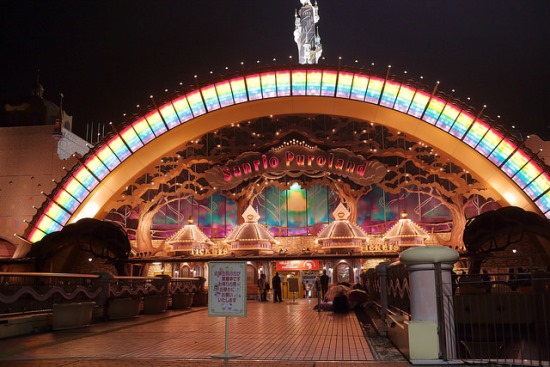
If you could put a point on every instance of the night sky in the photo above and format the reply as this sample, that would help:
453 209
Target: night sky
108 56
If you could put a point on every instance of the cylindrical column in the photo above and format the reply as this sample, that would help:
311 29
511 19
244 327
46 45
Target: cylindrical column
431 301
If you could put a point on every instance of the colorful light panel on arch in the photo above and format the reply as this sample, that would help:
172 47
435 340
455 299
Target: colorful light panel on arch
404 99
269 84
359 87
461 125
314 83
156 123
281 83
210 97
254 87
435 107
329 83
182 109
447 117
391 89
107 158
343 89
66 201
299 82
238 88
224 94
418 105
169 115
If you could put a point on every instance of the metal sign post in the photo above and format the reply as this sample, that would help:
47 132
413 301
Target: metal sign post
227 295
226 354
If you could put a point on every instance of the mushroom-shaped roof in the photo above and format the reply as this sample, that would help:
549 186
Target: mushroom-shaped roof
341 228
190 234
250 230
405 229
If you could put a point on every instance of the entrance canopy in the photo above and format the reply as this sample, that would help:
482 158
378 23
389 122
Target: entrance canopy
470 139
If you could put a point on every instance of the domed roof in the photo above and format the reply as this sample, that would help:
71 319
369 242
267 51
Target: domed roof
405 231
250 230
341 228
189 236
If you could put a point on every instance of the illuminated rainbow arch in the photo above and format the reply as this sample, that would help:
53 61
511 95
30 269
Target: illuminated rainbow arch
513 172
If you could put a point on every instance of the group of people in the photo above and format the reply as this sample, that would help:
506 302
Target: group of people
264 287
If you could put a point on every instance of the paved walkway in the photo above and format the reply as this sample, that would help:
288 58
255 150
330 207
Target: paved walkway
273 334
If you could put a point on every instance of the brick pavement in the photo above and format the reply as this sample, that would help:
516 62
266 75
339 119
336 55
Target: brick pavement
290 334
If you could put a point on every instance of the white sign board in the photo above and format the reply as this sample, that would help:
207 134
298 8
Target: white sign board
227 288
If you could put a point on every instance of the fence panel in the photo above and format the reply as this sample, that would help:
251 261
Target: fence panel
37 292
503 321
398 288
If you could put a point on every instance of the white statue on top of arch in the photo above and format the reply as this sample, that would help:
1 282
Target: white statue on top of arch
306 34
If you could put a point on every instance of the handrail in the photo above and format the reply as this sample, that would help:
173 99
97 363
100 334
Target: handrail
24 292
58 275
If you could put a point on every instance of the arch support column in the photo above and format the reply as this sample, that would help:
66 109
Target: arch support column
431 328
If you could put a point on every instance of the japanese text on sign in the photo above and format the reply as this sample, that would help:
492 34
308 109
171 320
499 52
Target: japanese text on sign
227 289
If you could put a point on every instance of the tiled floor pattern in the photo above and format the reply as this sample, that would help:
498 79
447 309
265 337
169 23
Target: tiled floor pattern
283 334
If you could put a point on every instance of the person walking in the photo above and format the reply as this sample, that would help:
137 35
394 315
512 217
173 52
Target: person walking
263 287
277 294
324 284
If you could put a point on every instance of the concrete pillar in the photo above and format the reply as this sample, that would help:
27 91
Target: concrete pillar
431 328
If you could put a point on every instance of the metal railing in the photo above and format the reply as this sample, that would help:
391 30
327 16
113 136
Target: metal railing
503 321
22 293
493 319
37 292
398 289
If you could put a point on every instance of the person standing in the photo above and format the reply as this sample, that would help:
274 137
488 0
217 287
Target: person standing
317 288
324 284
277 294
262 287
308 290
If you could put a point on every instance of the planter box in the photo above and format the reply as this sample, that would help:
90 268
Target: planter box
123 308
182 300
155 303
25 324
72 315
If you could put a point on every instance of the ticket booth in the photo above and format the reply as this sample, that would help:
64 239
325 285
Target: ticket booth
295 274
